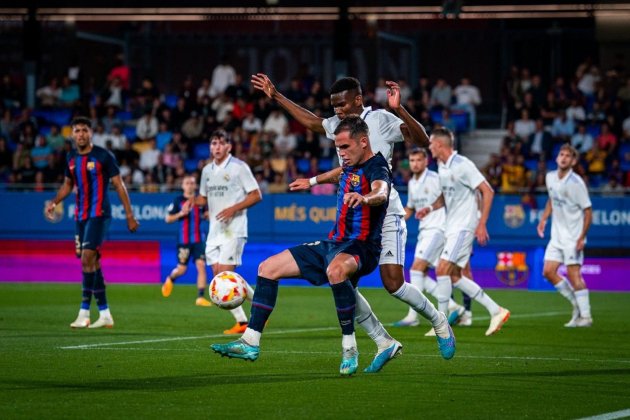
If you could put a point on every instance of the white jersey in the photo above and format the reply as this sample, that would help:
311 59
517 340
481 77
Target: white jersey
225 185
569 198
422 192
460 178
384 132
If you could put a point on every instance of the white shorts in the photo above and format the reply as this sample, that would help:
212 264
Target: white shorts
458 247
567 256
229 253
429 247
393 240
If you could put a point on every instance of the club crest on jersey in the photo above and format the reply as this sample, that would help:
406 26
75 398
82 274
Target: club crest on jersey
511 268
514 216
90 166
355 179
226 177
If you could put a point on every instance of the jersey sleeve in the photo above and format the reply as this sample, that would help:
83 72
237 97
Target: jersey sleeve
110 167
581 197
389 127
330 125
471 175
379 171
174 207
203 182
247 179
66 171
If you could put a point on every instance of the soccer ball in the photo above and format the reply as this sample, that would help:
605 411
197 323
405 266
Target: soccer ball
228 290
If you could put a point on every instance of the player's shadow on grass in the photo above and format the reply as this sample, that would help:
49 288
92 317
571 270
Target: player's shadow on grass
550 373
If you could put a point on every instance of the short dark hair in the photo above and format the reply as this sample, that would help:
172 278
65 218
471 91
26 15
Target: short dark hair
419 151
346 83
81 120
220 134
444 132
353 124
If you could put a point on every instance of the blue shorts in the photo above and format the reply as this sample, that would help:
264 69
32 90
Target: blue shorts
90 234
313 258
196 251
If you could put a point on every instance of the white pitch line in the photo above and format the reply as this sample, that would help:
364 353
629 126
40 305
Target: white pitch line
610 416
289 331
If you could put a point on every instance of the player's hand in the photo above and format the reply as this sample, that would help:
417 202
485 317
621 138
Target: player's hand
481 233
226 215
300 184
354 200
261 82
422 213
580 245
393 94
541 228
186 208
50 208
132 224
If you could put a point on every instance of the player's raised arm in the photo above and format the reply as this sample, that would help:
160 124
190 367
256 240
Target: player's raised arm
62 193
305 117
119 186
412 130
543 219
487 195
303 184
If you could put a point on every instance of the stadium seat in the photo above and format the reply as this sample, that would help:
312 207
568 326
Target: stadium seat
552 165
201 151
556 149
124 115
170 101
624 157
130 132
325 165
594 130
303 165
162 139
44 130
191 165
531 164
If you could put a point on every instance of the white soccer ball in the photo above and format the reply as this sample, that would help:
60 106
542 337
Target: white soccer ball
228 290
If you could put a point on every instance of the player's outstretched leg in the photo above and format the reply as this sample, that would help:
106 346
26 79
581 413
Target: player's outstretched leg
499 315
105 318
238 349
83 319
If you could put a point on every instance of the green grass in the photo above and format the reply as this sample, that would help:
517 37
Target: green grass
156 361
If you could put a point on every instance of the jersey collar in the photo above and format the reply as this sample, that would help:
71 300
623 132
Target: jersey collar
450 159
224 163
423 176
566 177
365 112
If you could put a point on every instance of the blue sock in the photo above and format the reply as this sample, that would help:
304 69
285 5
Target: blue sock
263 303
467 301
88 289
201 291
345 301
99 290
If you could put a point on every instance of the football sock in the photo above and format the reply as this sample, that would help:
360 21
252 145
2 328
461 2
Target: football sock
87 290
263 302
583 303
99 290
201 291
443 292
251 337
370 323
348 341
473 290
239 315
413 297
416 278
564 288
430 285
345 302
467 301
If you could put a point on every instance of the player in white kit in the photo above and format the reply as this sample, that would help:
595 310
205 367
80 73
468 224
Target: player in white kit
229 188
385 129
422 191
570 206
460 178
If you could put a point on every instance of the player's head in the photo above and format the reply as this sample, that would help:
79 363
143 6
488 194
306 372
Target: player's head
189 184
441 143
81 132
418 160
567 157
346 97
220 145
351 140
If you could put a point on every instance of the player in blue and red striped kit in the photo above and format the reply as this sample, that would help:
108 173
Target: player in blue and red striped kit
190 240
90 169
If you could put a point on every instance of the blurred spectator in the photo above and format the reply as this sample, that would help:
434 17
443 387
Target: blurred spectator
563 127
263 184
69 92
99 137
492 171
113 93
575 111
279 185
380 92
251 124
596 115
222 106
524 126
286 142
187 91
26 171
49 95
10 96
540 142
549 110
203 90
588 82
40 153
308 145
121 72
223 76
7 125
193 127
624 94
612 188
525 80
582 140
596 160
6 160
441 95
147 126
513 174
422 94
468 99
606 140
149 157
110 119
149 185
537 90
54 138
276 122
148 92
117 138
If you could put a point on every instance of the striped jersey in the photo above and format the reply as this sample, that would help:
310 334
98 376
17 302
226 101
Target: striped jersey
363 222
189 226
91 173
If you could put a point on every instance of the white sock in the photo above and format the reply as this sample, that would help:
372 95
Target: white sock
239 314
443 292
84 313
416 278
104 313
565 289
583 303
413 297
473 290
366 319
430 286
251 337
348 341
250 292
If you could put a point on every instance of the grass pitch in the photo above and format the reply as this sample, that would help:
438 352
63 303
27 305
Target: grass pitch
156 361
